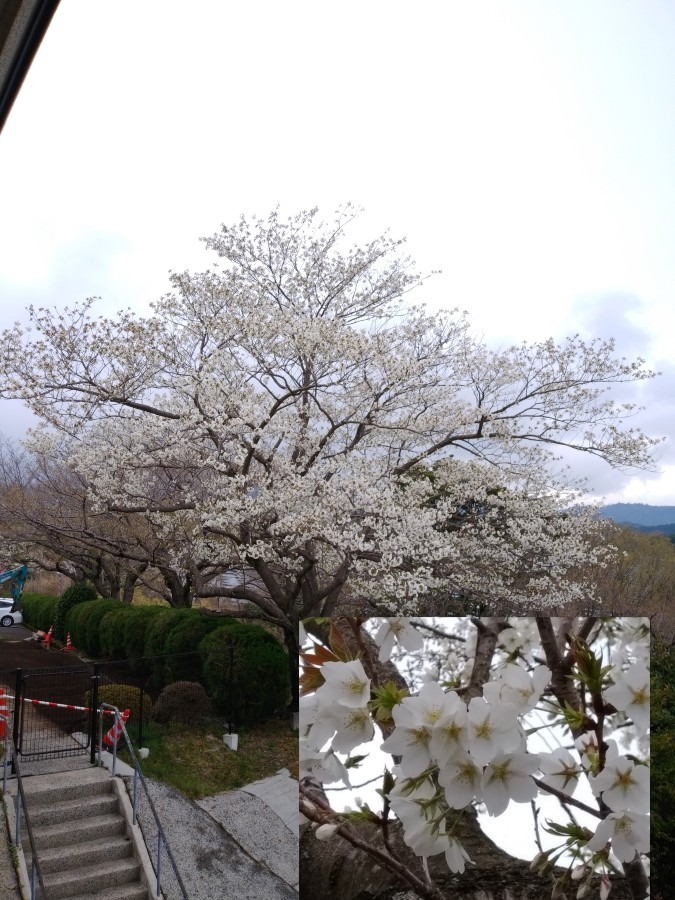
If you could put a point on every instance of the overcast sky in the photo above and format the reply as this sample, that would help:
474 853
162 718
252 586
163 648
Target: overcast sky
525 148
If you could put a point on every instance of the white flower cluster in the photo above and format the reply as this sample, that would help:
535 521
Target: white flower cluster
450 754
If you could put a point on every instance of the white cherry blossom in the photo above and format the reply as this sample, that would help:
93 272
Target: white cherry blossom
326 767
461 778
560 770
456 856
353 727
415 719
492 729
627 830
622 785
509 777
397 630
630 693
346 684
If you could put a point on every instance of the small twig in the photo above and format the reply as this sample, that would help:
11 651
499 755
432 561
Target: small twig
565 798
438 632
317 812
535 816
355 787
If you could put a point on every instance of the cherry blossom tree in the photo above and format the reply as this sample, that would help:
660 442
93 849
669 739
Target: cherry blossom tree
301 425
465 733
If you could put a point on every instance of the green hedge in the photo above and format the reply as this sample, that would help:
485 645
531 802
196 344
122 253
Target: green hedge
260 685
184 638
111 632
136 625
84 624
80 592
156 637
108 627
37 608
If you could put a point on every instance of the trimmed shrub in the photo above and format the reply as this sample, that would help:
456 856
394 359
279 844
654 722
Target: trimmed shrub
80 592
136 625
111 632
84 622
155 643
46 614
184 638
124 696
32 604
76 621
260 688
184 702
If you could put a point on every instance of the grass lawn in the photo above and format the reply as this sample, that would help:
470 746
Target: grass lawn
198 764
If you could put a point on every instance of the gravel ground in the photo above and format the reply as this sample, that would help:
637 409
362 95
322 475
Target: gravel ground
9 887
212 863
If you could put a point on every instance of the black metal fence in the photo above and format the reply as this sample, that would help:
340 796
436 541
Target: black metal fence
52 711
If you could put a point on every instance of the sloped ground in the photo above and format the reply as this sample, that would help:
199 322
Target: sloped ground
17 653
263 819
9 888
215 859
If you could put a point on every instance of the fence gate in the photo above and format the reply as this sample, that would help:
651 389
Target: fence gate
51 718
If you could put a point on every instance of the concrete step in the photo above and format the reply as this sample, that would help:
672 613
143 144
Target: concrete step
124 892
60 786
67 810
89 879
62 834
60 859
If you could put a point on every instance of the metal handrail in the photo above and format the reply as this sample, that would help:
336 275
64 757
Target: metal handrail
21 801
138 776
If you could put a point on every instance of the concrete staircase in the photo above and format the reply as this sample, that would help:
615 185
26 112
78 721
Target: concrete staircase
84 845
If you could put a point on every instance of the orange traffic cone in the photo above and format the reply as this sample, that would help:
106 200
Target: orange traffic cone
4 711
112 736
69 644
48 638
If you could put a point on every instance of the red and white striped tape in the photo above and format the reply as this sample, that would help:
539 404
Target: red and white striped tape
51 703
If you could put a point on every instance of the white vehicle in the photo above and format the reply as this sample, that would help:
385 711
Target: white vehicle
7 617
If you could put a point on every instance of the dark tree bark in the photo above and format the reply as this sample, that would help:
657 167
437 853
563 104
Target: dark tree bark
335 870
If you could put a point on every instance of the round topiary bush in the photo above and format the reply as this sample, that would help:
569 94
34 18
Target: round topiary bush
80 592
260 682
124 696
185 702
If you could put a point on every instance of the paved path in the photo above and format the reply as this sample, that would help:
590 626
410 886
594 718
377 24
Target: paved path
263 819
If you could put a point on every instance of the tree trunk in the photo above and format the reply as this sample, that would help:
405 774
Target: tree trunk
291 640
335 870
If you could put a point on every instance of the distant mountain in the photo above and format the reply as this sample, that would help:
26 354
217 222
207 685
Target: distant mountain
660 529
642 514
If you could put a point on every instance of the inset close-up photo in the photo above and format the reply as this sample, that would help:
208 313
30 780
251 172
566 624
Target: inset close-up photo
475 757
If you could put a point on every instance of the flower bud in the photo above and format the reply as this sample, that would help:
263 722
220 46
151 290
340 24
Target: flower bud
605 887
578 872
539 859
325 832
